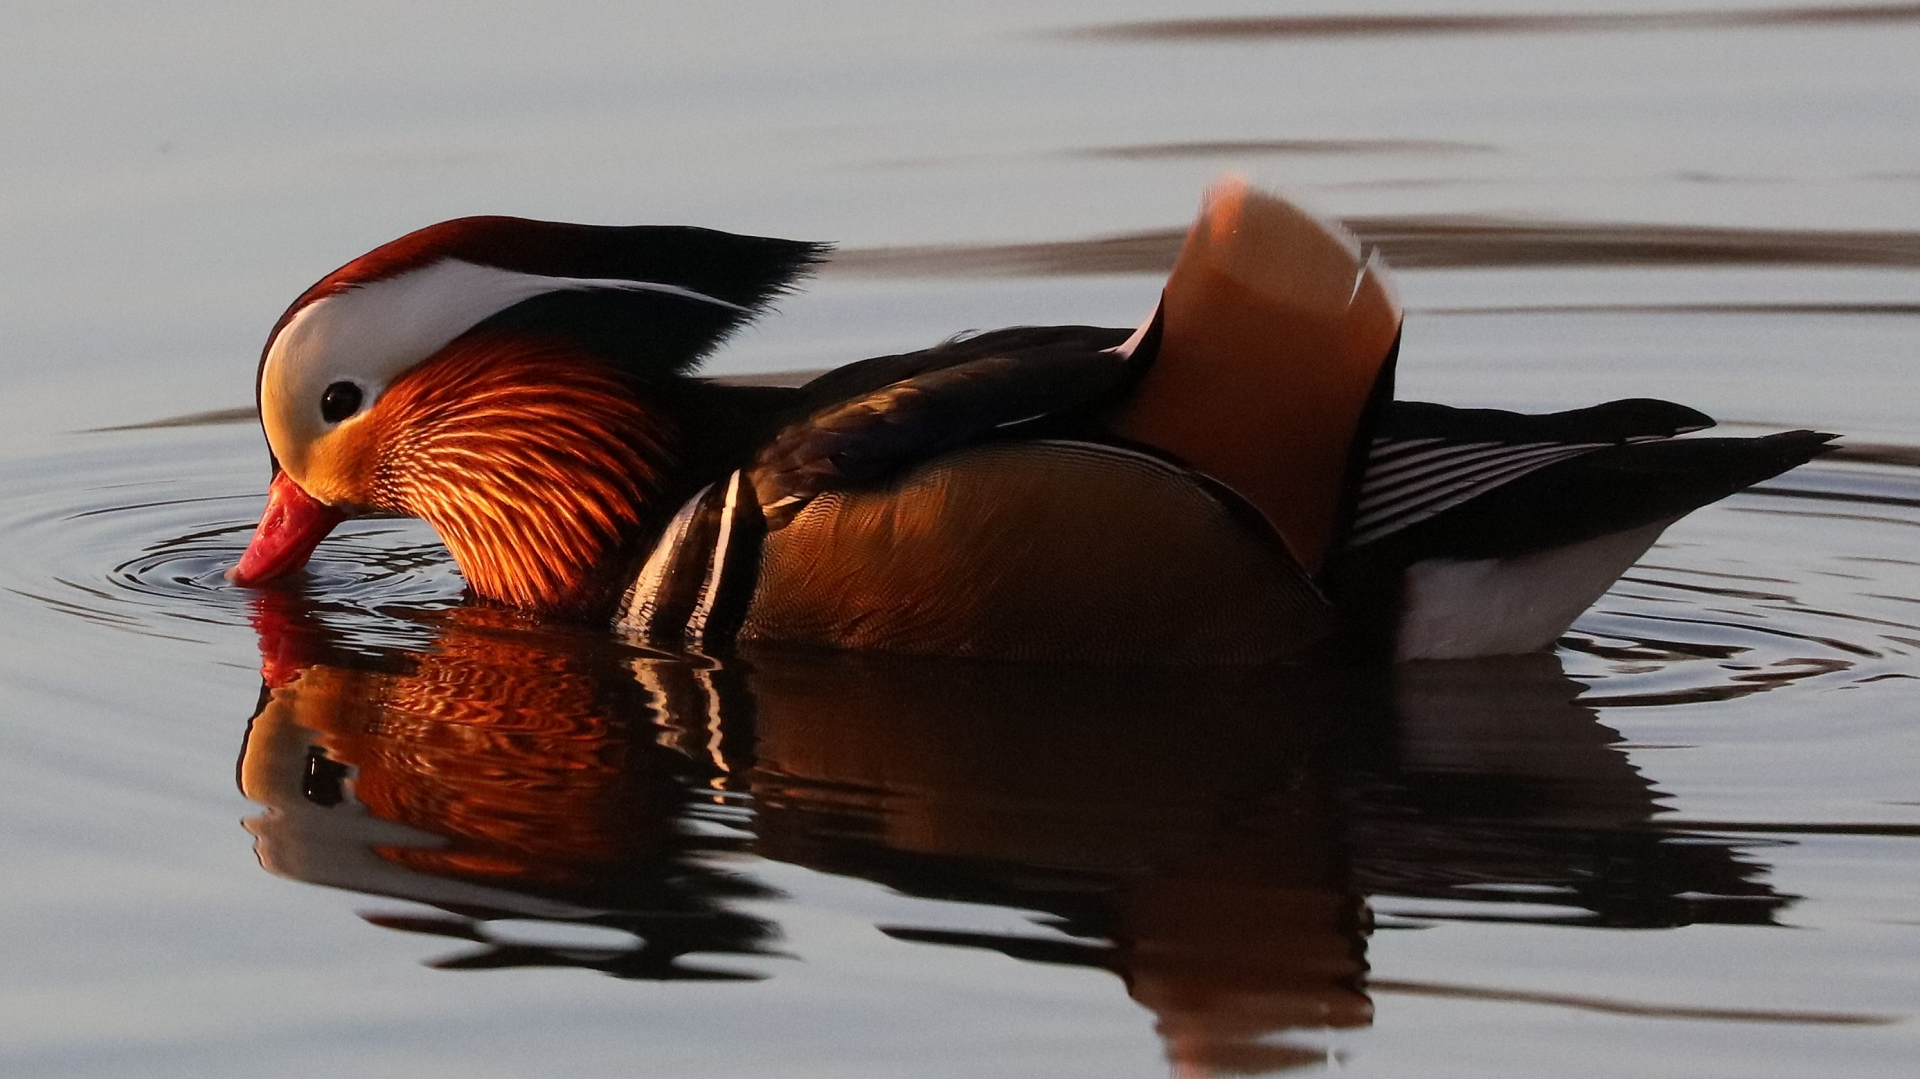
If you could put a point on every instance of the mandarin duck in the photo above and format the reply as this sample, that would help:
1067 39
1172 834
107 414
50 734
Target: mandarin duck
1232 482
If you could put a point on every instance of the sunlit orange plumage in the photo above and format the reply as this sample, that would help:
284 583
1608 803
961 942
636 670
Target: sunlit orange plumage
526 387
528 458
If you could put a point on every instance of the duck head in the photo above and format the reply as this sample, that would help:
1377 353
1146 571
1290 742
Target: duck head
512 382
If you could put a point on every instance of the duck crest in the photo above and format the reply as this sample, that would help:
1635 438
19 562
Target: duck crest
648 300
530 458
719 269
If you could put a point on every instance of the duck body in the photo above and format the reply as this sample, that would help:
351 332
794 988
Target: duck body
1475 532
1028 548
1231 483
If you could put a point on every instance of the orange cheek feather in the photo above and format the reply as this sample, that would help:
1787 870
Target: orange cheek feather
530 459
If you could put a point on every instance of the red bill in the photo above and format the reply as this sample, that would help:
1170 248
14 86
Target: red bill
293 525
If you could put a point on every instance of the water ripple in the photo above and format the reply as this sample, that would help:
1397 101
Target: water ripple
1295 27
134 530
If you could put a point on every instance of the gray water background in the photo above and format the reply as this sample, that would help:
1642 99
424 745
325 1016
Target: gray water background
1619 200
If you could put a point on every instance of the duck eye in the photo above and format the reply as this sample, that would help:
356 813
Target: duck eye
342 399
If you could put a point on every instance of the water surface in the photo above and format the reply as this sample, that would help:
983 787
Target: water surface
360 824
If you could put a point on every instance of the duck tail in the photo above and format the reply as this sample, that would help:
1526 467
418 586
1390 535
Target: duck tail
1276 348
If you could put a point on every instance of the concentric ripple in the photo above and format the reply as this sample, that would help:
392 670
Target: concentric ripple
1813 578
136 529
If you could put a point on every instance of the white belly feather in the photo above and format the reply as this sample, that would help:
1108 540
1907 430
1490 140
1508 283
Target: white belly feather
1505 606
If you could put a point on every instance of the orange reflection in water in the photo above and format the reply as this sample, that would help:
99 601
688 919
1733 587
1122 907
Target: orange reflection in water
1210 838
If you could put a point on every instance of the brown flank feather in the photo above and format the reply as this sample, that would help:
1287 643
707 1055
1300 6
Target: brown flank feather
529 457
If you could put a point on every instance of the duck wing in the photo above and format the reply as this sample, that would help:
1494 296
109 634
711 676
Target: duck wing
1461 483
1487 533
1426 459
873 418
1271 351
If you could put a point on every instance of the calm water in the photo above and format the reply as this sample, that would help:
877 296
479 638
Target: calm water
454 843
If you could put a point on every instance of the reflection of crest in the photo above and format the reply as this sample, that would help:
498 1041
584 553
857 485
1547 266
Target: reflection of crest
1212 838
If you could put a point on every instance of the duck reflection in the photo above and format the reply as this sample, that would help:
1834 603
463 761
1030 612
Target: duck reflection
497 779
1211 838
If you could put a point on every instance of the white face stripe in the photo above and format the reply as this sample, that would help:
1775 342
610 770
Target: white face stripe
374 333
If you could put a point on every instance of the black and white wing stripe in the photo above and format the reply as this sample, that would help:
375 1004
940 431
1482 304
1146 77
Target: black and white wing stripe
1410 480
695 585
1427 459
